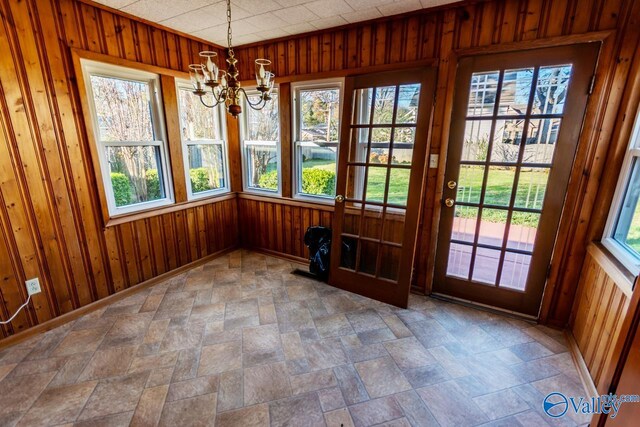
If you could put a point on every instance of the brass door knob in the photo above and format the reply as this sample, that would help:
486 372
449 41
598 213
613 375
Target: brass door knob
339 198
449 202
452 184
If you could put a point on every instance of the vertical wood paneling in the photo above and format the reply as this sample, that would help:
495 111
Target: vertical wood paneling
50 221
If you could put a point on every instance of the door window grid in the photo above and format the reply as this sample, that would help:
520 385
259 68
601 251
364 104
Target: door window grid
362 161
523 207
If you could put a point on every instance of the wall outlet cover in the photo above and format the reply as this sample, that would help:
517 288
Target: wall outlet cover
33 286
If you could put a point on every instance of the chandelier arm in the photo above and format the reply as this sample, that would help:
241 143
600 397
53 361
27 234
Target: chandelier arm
209 105
256 106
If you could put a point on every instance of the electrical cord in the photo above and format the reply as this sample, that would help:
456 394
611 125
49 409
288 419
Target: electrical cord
19 310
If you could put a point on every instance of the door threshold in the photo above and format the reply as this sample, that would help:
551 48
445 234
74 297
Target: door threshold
485 307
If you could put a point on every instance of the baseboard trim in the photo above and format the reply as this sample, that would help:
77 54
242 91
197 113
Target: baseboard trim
578 360
280 255
81 311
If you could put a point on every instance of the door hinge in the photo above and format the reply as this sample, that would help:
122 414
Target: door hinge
592 84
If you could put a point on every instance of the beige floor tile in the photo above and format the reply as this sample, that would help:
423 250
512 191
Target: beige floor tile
150 407
251 416
382 377
197 411
265 383
220 358
115 395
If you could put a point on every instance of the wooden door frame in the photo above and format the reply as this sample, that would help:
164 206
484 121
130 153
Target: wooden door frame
427 79
570 216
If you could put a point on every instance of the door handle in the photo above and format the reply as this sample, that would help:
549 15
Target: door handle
339 198
449 202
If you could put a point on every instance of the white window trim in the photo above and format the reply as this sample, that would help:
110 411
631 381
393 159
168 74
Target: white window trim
185 84
631 262
295 128
244 143
90 68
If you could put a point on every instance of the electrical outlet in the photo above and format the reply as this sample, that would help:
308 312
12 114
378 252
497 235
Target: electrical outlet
33 286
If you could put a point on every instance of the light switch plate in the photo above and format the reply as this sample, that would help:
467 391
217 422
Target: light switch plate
433 161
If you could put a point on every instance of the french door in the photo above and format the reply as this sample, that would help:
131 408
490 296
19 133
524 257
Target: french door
386 120
515 126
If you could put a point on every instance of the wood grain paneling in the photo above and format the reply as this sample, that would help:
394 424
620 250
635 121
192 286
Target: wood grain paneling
599 311
50 221
444 34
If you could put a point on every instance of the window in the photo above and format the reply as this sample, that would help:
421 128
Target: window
316 133
205 150
131 140
261 145
622 233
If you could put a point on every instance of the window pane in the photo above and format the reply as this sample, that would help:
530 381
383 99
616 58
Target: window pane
262 125
459 260
470 183
627 229
532 187
136 174
515 271
523 230
499 186
318 170
506 141
399 186
319 115
262 166
464 223
362 105
123 109
551 89
476 140
541 140
197 122
516 87
206 167
485 268
376 179
408 98
383 108
482 93
492 225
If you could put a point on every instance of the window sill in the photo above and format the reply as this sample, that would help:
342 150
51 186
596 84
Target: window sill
619 273
153 212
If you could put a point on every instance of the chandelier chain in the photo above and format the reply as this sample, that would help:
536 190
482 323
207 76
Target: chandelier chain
229 27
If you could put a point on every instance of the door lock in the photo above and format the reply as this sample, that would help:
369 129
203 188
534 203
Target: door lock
339 198
452 184
449 202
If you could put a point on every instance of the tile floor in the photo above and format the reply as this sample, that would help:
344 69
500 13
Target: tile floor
242 342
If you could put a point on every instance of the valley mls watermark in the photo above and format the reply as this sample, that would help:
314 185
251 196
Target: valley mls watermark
557 404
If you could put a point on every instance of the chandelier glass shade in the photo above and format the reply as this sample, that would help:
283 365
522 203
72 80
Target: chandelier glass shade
222 86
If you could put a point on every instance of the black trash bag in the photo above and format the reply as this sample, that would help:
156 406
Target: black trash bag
318 240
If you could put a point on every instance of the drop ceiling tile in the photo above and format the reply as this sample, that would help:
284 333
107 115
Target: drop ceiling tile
116 4
288 3
332 21
255 6
362 15
366 4
159 10
266 21
303 27
295 14
433 3
399 7
328 8
202 18
214 33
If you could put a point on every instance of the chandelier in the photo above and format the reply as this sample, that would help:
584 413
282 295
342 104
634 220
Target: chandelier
223 86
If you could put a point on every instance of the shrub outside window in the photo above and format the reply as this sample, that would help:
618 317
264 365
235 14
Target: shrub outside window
261 145
622 233
317 134
129 132
205 151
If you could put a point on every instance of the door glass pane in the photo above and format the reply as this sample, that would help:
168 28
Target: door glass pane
362 106
499 185
515 271
375 183
380 142
358 147
368 257
492 226
459 260
355 176
482 94
390 265
402 156
394 226
506 141
404 135
485 268
383 108
372 223
348 252
523 230
399 186
532 186
470 183
408 98
464 223
541 141
516 87
351 223
476 140
551 89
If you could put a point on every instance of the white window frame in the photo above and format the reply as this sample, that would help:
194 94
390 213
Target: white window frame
622 253
94 68
245 143
296 179
220 113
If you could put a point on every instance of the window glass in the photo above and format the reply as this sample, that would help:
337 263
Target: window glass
627 229
261 140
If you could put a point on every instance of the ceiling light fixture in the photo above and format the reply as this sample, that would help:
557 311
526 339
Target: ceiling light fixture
224 86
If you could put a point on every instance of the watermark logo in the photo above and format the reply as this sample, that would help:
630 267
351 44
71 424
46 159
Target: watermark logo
557 404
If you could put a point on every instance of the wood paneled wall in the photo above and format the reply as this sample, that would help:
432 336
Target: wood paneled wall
487 26
598 314
50 222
